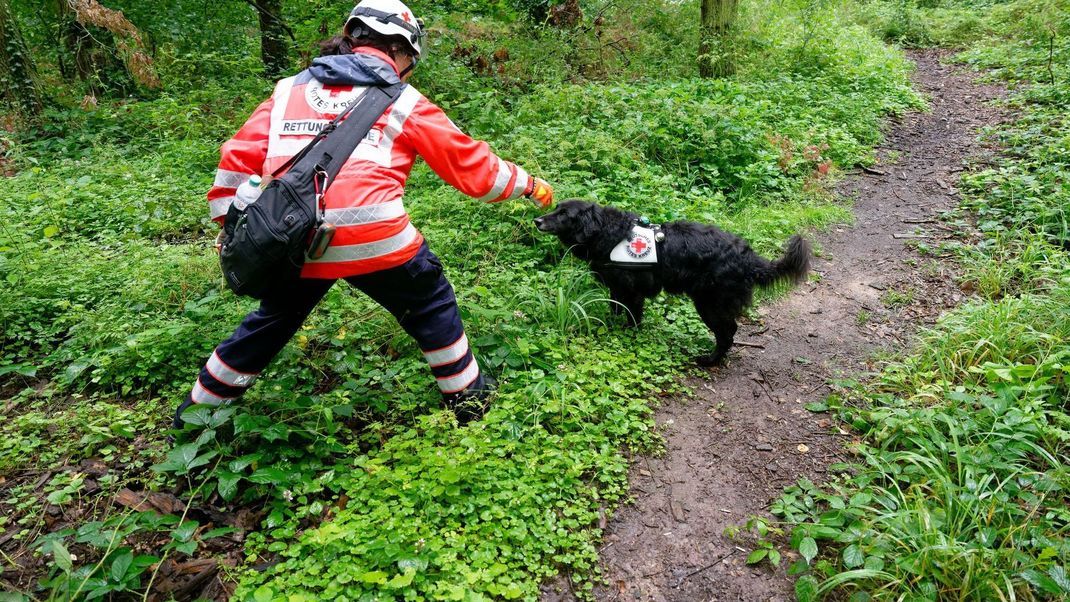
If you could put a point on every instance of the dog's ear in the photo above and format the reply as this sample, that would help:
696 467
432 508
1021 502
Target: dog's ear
586 221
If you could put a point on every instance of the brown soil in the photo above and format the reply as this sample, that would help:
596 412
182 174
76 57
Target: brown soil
734 445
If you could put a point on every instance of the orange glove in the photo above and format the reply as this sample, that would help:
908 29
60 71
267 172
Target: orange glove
540 193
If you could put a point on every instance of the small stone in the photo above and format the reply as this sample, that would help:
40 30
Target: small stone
763 447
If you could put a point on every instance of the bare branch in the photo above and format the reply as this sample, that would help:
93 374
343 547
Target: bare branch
127 38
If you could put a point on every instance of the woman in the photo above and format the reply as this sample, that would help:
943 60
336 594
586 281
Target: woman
375 247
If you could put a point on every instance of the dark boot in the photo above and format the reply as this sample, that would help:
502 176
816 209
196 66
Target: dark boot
178 423
472 403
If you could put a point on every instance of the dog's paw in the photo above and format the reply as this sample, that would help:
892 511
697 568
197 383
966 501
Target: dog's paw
710 360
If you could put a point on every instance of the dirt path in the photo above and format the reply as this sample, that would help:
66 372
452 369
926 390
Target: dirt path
734 445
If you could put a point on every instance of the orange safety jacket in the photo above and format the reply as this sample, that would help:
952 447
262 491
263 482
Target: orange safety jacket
365 200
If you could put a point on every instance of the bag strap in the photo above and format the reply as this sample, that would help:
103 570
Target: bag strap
327 129
328 157
324 157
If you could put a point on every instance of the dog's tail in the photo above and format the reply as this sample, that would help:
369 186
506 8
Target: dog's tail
792 267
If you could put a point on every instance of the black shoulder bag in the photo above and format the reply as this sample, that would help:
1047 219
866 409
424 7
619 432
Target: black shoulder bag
264 245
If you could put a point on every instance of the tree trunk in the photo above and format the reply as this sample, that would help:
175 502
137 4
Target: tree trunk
78 46
715 46
18 78
274 51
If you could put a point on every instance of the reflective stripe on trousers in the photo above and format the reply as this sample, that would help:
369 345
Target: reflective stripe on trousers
416 293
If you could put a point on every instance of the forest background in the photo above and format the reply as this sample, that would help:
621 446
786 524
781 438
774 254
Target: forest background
340 474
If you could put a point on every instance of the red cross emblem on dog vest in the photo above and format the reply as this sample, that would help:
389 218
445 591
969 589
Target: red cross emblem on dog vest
637 248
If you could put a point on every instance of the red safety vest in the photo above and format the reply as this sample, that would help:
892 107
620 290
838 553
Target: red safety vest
365 201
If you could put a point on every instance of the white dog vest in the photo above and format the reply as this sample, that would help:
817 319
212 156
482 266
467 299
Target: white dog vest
639 249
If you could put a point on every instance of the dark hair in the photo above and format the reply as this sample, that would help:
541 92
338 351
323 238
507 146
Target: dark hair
344 44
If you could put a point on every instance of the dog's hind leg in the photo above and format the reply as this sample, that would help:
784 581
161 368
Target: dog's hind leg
723 325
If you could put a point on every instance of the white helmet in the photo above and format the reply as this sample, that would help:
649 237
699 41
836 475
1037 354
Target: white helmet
388 18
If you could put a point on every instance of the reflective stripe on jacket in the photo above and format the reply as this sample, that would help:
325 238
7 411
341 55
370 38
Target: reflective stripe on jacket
365 201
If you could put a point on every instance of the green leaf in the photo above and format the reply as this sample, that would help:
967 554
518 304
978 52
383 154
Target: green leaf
58 497
185 531
757 555
142 562
51 231
374 577
853 557
186 547
1041 581
874 563
184 458
762 528
774 557
76 368
513 591
198 415
860 500
276 432
806 589
228 484
98 592
416 564
270 475
21 369
201 460
221 417
241 463
817 406
120 565
62 556
808 549
401 580
798 568
1058 574
1048 553
218 532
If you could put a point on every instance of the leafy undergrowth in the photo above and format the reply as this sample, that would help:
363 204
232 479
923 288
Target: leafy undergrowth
339 474
961 488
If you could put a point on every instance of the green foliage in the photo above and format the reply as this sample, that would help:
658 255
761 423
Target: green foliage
112 300
120 569
961 488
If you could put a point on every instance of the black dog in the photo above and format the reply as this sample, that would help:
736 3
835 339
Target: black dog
718 270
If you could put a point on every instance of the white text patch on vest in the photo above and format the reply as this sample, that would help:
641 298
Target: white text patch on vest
311 127
303 127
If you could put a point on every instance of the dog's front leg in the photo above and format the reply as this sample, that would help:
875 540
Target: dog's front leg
616 306
633 310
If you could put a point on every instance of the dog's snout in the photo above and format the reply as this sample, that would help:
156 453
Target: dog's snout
538 222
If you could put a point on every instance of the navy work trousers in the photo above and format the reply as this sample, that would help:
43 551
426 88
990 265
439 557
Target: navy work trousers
416 293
